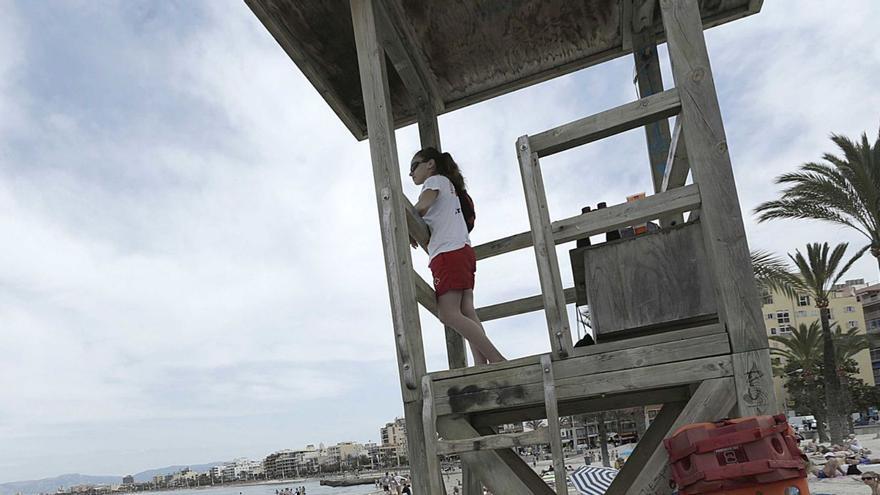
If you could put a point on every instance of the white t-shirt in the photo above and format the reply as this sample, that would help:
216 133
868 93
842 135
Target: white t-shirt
445 218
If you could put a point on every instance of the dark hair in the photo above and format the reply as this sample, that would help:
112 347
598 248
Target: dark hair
446 167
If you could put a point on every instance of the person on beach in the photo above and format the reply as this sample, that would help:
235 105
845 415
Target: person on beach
386 483
453 262
872 479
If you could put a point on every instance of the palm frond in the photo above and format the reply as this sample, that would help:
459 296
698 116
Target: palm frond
773 273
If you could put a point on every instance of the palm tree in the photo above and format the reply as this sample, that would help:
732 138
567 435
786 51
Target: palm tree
819 271
802 354
772 273
845 191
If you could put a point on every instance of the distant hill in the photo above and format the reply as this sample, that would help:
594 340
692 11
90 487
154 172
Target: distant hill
51 485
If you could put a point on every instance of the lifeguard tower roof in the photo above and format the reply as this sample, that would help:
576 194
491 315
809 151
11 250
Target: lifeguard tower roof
462 51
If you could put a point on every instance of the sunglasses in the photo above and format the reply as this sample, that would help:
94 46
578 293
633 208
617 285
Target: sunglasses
869 478
414 165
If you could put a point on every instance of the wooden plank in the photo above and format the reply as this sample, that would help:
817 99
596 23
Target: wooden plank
650 442
600 221
494 442
470 484
412 72
677 165
501 471
429 421
650 82
310 67
425 294
545 250
416 227
607 123
720 215
712 401
552 409
581 406
650 340
754 386
413 59
600 348
395 240
511 393
723 231
518 306
651 280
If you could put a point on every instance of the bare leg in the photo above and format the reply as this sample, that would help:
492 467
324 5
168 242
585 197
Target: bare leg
467 309
449 308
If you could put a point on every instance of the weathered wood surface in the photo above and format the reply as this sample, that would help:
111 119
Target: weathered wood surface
648 444
472 51
650 82
600 221
677 165
712 401
510 392
647 281
501 471
754 386
395 238
600 348
581 406
720 214
494 442
604 124
545 250
552 408
408 60
587 365
518 306
429 423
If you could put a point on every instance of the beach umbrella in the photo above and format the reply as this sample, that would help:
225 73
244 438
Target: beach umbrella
592 480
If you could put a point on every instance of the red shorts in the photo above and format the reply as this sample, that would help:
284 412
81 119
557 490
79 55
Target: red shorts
454 270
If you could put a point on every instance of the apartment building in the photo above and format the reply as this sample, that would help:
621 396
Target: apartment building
782 314
869 297
393 436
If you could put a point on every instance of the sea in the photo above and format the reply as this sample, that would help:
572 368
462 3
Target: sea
312 488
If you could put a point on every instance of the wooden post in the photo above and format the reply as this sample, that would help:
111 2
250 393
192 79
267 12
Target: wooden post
395 237
552 409
712 401
722 224
545 250
429 420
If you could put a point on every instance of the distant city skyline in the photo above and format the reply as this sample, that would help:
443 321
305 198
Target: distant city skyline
191 266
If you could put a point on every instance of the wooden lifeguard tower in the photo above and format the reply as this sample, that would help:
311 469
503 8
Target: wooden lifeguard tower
676 312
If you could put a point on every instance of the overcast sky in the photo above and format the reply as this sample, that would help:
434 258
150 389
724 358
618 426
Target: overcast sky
190 266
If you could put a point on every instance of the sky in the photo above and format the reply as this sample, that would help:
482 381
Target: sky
191 268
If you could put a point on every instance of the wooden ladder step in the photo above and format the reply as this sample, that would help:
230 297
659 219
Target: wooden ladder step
608 123
494 442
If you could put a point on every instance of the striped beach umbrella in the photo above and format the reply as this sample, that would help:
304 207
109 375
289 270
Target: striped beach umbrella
592 480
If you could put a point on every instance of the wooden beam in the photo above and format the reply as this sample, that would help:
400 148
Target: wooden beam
501 471
650 82
429 421
723 231
552 409
650 442
677 167
753 385
510 392
646 341
395 240
518 306
581 406
545 250
272 19
607 123
425 295
494 442
712 401
403 49
416 227
600 221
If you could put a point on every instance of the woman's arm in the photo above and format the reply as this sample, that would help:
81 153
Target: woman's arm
426 199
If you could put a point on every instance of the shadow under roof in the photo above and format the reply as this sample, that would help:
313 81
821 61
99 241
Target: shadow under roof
473 50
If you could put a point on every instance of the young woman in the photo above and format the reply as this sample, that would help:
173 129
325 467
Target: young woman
452 259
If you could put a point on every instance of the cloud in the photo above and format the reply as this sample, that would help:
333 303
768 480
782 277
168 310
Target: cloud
191 240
